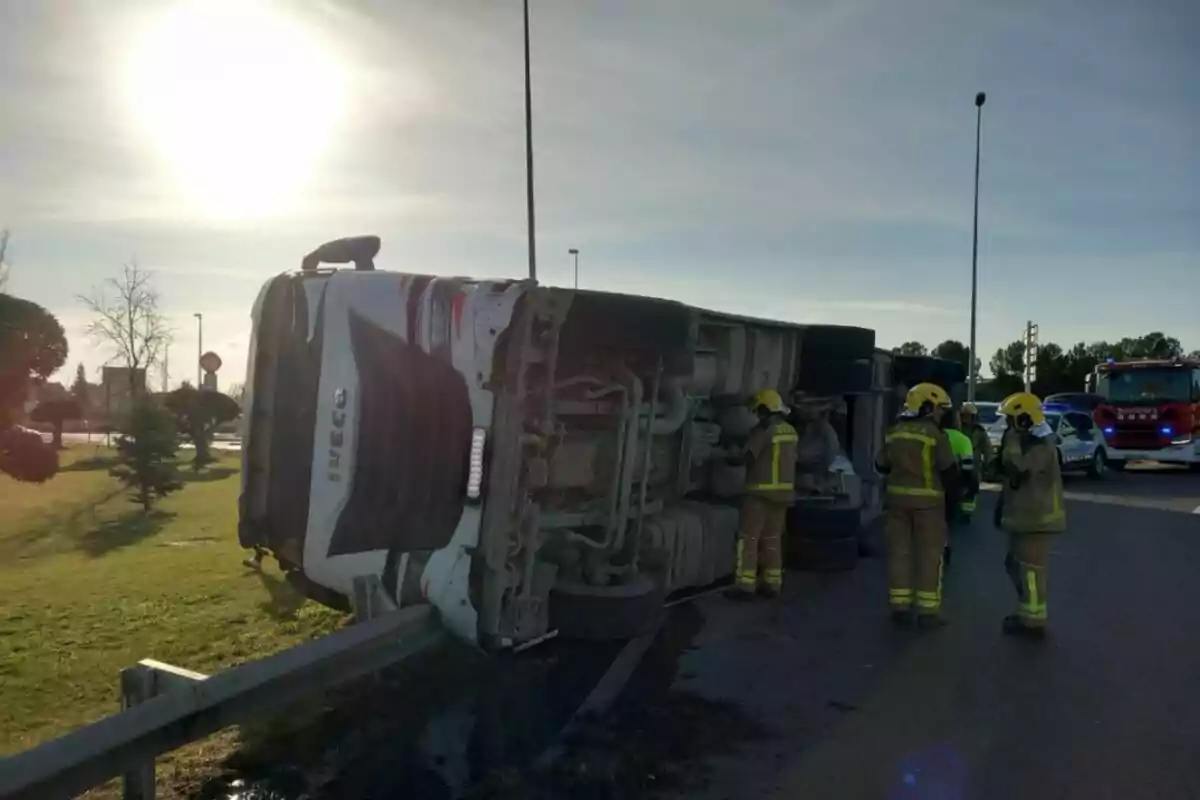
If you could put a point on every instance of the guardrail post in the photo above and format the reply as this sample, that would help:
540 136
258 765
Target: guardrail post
149 679
137 686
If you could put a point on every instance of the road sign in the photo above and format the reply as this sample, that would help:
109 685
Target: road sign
210 362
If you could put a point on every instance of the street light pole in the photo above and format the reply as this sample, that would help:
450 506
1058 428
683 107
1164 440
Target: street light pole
529 153
574 252
199 344
974 373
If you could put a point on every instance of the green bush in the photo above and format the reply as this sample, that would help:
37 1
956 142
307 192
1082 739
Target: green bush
146 453
198 413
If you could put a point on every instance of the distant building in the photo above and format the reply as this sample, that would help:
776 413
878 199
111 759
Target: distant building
119 389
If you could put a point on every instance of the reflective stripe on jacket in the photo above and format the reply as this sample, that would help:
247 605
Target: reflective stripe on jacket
1032 499
772 472
915 453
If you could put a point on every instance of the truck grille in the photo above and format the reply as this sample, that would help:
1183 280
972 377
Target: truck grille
413 428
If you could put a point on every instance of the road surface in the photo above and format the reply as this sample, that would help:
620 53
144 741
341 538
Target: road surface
818 697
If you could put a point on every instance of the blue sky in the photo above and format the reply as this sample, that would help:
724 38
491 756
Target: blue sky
808 160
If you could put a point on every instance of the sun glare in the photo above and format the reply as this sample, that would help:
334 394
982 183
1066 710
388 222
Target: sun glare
239 100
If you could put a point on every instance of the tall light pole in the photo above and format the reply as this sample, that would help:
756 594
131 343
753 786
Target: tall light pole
574 253
979 100
529 152
199 344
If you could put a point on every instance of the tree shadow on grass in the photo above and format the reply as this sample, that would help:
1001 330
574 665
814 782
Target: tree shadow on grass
207 474
284 599
127 529
90 464
66 521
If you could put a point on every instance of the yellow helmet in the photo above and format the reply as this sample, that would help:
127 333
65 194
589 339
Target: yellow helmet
969 408
1023 403
770 399
924 393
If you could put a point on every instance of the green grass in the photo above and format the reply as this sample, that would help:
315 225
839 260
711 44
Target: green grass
89 585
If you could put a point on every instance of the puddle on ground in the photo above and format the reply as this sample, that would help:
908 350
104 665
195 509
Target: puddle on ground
437 727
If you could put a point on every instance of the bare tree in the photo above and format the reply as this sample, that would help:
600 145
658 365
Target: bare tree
129 320
3 263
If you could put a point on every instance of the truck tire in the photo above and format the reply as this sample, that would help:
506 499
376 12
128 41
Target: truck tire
833 377
823 539
837 343
602 613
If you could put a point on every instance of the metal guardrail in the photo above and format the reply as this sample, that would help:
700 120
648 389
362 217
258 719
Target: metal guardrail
167 707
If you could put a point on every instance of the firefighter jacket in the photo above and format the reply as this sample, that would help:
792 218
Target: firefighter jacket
982 445
918 462
1033 493
772 471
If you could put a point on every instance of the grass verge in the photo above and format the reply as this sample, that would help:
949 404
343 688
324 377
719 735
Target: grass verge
89 585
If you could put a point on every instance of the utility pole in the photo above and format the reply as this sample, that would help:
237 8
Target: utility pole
974 374
574 252
166 368
529 153
199 344
1031 355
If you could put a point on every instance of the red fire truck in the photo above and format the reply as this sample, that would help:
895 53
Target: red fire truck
1150 411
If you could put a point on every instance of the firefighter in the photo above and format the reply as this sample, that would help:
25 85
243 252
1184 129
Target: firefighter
919 466
1032 508
980 442
770 491
817 444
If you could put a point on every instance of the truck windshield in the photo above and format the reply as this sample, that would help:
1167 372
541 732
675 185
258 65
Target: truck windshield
1145 385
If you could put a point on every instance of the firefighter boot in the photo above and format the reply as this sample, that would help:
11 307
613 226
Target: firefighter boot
930 622
1013 626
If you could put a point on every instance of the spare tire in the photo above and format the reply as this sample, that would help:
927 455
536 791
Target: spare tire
582 611
832 377
836 342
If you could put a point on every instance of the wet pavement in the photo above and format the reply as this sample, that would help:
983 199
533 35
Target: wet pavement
817 696
448 724
1107 707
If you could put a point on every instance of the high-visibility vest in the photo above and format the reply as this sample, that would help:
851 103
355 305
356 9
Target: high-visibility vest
964 451
772 473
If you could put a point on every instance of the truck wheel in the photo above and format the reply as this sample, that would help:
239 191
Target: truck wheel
834 377
582 611
822 539
837 342
1098 465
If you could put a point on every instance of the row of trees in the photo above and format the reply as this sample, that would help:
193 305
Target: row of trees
128 321
1058 369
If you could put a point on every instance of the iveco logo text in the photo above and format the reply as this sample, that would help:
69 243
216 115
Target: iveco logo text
337 435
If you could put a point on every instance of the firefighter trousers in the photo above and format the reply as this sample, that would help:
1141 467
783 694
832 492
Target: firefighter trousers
916 540
760 544
1026 562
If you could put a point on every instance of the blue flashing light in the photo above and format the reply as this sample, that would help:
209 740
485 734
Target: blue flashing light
1111 360
1108 430
1167 430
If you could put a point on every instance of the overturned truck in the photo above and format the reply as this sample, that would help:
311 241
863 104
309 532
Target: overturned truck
527 459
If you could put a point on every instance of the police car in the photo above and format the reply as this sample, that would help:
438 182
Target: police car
1081 446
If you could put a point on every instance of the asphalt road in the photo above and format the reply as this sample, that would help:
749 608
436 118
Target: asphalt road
818 697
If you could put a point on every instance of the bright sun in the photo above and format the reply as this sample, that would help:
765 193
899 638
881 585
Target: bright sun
238 99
